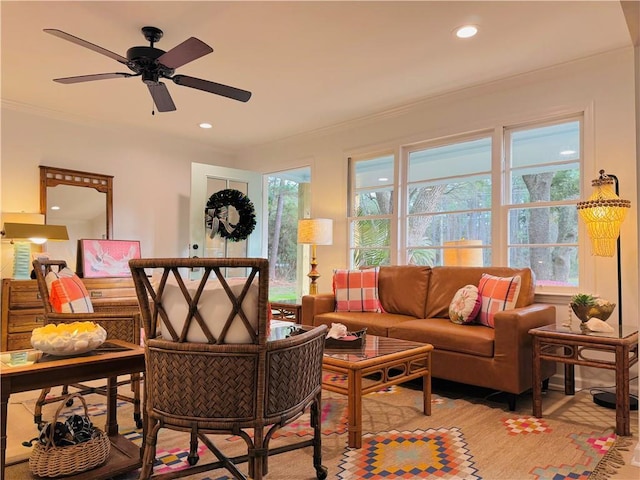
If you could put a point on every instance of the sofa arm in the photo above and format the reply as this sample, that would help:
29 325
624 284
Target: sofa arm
313 305
512 339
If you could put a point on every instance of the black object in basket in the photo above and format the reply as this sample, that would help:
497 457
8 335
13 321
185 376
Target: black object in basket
349 341
50 460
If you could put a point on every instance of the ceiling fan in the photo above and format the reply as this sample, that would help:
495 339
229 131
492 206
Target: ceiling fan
153 64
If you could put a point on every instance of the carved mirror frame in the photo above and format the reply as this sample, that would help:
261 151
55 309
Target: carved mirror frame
53 176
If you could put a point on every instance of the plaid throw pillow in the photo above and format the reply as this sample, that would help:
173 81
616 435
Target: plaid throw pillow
356 290
498 294
67 293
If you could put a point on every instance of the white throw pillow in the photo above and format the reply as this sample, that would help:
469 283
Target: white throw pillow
465 306
214 306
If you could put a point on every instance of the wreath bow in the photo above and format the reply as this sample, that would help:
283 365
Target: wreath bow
217 215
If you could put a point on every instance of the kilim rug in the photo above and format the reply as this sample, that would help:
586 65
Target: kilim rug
464 438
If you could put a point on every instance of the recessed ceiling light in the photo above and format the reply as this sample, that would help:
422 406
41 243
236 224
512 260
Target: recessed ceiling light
466 31
55 207
206 125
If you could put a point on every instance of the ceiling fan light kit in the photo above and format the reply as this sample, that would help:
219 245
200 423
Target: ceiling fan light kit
153 64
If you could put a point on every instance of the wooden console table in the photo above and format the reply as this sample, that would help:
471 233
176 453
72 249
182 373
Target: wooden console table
568 345
114 358
22 309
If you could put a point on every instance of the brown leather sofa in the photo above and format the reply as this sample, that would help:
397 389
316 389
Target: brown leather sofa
416 302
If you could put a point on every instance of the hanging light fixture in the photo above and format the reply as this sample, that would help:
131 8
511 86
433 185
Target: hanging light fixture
603 213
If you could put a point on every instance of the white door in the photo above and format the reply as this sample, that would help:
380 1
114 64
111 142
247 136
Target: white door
207 180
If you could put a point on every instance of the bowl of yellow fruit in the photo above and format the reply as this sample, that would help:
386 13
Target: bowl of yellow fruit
66 339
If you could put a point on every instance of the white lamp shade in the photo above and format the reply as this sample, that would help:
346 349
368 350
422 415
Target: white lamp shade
315 231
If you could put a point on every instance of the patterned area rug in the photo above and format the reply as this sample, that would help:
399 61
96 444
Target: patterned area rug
463 439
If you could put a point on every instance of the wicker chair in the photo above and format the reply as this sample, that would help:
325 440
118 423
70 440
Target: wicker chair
119 324
215 386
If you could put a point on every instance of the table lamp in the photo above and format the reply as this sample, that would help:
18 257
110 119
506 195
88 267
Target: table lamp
22 235
463 253
315 231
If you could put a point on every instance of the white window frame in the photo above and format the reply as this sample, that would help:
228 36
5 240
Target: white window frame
500 190
352 190
507 204
404 193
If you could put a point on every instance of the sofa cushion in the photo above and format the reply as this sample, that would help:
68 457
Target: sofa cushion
214 306
375 323
465 305
356 290
471 339
497 294
67 293
446 281
403 289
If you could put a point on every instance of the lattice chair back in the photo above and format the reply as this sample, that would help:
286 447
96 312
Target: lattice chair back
205 339
119 322
209 365
73 304
41 268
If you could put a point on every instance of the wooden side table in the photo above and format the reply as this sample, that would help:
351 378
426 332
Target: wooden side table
380 355
116 357
291 311
571 346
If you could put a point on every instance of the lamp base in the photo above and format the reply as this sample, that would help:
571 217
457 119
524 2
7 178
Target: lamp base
21 260
608 400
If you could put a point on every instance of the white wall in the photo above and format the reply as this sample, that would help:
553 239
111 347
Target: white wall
602 85
152 174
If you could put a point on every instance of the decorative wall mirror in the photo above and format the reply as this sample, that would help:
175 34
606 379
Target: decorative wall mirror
81 201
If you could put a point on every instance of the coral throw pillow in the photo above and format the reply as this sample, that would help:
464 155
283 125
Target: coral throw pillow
67 293
356 290
465 305
497 294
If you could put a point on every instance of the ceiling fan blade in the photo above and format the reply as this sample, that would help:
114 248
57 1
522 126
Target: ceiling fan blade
161 97
90 78
84 43
212 87
186 52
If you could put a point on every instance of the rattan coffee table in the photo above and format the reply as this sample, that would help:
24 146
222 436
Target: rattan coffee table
385 362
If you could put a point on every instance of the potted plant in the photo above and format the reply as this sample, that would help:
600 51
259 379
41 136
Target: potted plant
587 306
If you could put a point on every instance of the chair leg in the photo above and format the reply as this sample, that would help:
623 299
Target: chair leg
37 411
193 448
257 456
321 470
135 388
149 455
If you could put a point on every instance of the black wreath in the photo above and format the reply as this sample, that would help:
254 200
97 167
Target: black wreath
216 216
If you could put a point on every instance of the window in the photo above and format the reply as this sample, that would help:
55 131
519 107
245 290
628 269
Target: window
371 211
543 174
288 194
503 197
448 200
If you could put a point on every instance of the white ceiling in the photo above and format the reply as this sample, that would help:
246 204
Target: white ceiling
308 64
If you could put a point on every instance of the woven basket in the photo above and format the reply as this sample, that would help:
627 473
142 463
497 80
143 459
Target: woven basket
52 461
